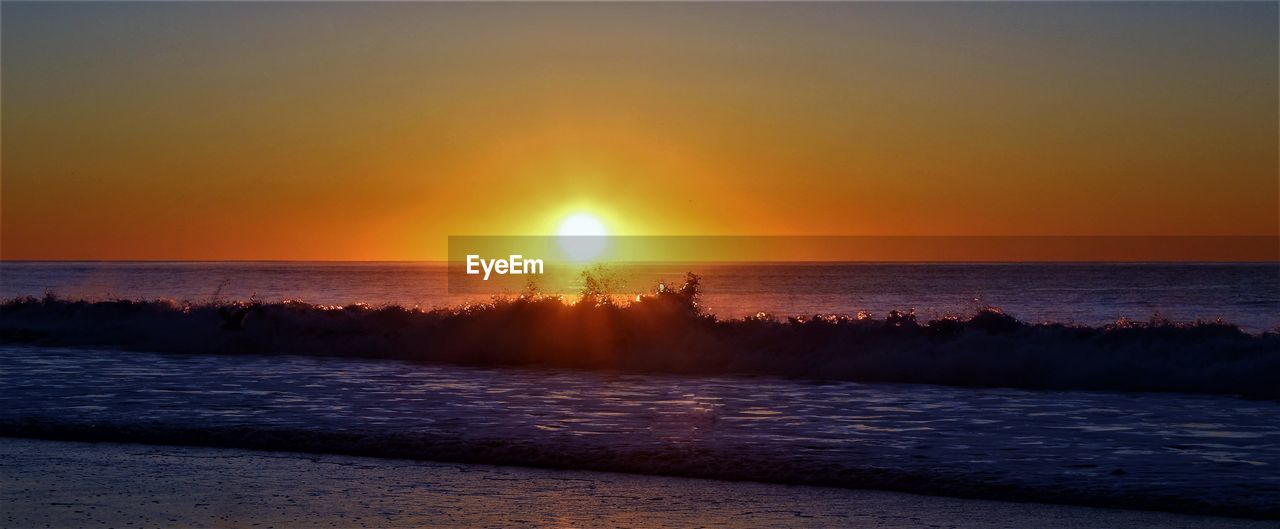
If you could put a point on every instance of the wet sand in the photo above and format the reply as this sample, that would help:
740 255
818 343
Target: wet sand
67 485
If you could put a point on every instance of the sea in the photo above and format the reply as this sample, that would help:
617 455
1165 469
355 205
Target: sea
1244 294
1195 453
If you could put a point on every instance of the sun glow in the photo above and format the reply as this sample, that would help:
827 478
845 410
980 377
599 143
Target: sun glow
581 225
582 237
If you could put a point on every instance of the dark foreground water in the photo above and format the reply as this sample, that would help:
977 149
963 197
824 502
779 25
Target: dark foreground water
1161 451
71 484
1247 295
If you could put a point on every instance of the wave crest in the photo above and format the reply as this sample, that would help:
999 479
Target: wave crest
667 333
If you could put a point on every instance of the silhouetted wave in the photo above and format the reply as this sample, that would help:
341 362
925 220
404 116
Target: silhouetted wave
667 333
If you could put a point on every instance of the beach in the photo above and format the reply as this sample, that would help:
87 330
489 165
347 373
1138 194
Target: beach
72 484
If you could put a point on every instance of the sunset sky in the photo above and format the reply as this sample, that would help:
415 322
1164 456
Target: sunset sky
350 131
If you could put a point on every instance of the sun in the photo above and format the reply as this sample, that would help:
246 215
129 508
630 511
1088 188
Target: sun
582 237
581 225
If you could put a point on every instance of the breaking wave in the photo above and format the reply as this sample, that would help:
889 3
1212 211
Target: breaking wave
667 333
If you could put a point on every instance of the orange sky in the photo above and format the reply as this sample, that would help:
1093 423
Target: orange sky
366 132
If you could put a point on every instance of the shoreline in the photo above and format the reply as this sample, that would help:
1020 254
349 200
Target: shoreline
79 484
457 451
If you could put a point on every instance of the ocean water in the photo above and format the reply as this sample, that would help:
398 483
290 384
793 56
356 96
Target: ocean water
1247 295
1196 453
1161 451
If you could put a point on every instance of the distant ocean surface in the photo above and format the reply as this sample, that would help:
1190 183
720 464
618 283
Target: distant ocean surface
1247 295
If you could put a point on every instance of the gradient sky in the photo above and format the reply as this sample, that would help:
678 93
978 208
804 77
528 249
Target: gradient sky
374 131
